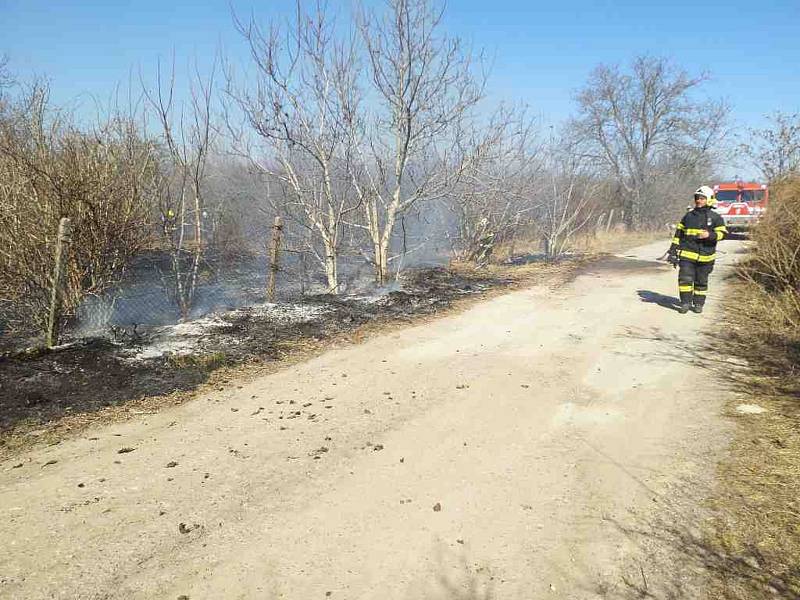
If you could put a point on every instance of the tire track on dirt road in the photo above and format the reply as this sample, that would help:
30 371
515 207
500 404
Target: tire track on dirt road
544 424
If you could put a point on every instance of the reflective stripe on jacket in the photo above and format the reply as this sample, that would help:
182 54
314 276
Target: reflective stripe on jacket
694 222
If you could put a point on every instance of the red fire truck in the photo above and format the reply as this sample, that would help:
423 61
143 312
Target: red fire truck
741 203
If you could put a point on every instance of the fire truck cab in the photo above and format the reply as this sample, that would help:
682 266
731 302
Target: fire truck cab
740 203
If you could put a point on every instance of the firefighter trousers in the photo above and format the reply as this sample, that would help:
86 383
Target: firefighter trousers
693 281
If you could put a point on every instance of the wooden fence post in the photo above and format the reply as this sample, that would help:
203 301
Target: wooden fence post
57 289
274 255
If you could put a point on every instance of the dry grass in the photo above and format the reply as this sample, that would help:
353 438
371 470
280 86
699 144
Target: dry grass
756 531
556 273
204 362
755 536
613 242
601 242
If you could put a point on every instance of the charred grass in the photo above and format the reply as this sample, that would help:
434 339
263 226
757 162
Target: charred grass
49 395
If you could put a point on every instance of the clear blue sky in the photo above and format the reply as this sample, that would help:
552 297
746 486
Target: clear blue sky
542 51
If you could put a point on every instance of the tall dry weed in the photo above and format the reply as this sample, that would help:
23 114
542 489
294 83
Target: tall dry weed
101 178
776 259
772 306
752 544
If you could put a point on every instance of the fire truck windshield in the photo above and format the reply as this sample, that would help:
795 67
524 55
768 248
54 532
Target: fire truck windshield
740 195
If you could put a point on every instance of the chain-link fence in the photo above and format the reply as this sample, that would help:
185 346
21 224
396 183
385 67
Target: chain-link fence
163 287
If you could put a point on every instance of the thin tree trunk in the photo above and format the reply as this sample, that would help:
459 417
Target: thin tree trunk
374 231
331 270
382 259
190 291
198 217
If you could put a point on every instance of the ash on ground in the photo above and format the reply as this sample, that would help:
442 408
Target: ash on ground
88 374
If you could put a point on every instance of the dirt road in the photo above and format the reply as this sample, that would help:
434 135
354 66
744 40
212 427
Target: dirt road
509 451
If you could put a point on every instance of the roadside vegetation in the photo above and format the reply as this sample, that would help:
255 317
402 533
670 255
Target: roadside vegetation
753 546
381 149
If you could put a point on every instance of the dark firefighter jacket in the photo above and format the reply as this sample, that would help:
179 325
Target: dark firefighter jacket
688 245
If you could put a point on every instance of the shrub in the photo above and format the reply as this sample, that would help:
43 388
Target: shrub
770 308
101 178
775 263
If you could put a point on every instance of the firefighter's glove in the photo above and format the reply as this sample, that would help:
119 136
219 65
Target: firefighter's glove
672 258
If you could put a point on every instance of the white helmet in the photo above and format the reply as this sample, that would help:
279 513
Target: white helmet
704 190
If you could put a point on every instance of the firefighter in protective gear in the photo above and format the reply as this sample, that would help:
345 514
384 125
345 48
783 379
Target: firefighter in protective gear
694 248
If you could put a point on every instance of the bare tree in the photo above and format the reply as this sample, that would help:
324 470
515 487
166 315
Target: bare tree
566 199
423 86
188 136
494 197
636 123
775 149
302 107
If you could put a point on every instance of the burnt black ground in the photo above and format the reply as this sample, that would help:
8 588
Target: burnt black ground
91 374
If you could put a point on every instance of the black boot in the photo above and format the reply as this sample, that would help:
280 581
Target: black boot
684 308
697 308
